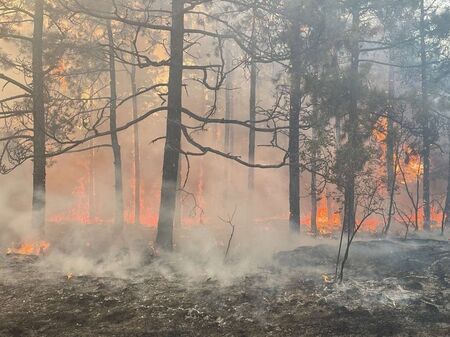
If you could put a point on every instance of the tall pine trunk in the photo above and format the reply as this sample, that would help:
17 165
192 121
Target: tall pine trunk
91 181
314 139
39 122
446 221
294 128
118 182
252 133
425 120
349 194
252 117
391 153
390 137
164 238
228 136
137 154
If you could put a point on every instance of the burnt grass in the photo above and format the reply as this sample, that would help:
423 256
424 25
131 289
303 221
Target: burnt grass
392 288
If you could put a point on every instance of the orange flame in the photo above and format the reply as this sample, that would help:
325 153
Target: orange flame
29 248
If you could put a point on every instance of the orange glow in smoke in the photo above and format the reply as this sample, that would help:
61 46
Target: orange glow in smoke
29 248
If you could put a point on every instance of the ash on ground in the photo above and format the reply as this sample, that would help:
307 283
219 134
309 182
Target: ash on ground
391 288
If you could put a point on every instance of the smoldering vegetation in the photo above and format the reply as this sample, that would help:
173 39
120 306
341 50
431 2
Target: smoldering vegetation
394 288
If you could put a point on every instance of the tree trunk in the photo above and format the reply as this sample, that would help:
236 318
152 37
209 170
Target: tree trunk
314 168
252 117
294 130
228 137
118 183
39 122
425 127
349 195
137 154
447 199
252 133
228 105
391 152
390 137
164 238
91 181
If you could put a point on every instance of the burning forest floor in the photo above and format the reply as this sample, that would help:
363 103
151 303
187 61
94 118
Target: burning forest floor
391 288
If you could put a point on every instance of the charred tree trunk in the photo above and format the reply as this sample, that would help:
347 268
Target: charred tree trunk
390 137
252 117
314 168
39 122
446 221
164 238
391 153
228 105
294 128
425 126
350 176
118 183
91 182
137 151
252 133
228 137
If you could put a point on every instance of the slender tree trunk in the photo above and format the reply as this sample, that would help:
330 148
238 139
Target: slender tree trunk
252 117
314 168
390 137
391 152
349 216
426 127
337 134
228 137
252 133
228 105
164 238
137 151
446 221
118 182
294 129
39 122
314 200
329 204
91 181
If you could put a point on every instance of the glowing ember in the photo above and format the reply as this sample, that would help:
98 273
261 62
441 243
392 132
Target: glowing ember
29 248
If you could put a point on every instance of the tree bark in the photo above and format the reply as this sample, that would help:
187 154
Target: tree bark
446 221
228 137
349 195
91 181
294 130
314 168
425 127
118 182
164 238
390 137
228 105
252 117
39 122
137 153
391 149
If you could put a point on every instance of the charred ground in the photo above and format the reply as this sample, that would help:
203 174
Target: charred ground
392 288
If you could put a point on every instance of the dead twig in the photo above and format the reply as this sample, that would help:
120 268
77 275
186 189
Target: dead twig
229 221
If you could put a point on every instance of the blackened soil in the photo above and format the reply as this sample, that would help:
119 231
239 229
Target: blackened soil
392 288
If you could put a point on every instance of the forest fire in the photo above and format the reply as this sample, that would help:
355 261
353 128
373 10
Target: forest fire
29 248
224 168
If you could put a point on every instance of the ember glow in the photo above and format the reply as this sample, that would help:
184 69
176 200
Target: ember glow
29 248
